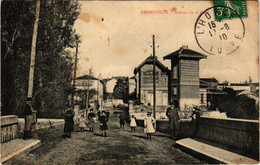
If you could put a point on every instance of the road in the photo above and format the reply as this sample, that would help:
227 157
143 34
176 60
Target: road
119 147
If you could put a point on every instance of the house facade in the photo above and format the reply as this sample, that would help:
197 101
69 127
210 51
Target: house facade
89 82
144 82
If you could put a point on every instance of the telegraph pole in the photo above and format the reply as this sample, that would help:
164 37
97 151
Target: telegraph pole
33 50
87 100
75 72
154 82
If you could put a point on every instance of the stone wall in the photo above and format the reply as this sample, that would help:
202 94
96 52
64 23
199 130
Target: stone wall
9 127
163 126
42 126
238 134
13 128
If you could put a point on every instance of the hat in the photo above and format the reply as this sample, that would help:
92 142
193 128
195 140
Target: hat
196 108
149 113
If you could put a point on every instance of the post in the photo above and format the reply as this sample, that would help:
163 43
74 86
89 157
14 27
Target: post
33 49
87 100
154 85
74 76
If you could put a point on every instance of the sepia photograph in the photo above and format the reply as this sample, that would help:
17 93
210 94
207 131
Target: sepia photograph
129 82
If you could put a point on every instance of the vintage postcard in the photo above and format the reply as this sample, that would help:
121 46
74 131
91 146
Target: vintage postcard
129 82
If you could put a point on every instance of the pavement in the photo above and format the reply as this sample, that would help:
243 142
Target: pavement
119 147
16 148
212 153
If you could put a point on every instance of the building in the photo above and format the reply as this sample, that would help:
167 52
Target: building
89 82
184 77
144 82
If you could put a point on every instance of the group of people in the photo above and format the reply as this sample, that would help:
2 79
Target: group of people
103 117
122 120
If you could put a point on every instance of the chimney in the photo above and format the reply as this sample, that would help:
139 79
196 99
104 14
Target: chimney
184 46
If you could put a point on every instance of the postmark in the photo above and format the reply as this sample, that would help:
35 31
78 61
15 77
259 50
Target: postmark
221 37
222 13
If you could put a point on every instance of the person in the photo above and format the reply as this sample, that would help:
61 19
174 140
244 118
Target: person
132 123
30 120
103 123
122 121
82 123
148 125
172 114
195 116
69 123
91 120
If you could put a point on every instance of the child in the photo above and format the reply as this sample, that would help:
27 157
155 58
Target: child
148 125
122 121
103 123
82 123
91 120
132 123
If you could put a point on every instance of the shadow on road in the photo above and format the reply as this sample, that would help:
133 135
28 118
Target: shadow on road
141 137
164 136
96 134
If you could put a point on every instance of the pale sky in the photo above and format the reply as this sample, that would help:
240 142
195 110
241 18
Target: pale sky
116 38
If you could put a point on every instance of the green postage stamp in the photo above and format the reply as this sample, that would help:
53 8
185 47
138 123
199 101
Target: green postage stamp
223 10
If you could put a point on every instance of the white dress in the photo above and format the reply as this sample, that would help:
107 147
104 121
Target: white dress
132 122
82 123
148 124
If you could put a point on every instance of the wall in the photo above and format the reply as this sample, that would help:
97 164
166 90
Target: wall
43 126
236 133
9 127
12 127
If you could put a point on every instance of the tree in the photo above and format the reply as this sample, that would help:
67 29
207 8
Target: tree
53 65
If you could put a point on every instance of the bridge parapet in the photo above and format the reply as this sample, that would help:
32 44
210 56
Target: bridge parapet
9 128
238 134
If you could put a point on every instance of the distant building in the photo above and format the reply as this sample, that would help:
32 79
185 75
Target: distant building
234 86
212 82
144 82
85 82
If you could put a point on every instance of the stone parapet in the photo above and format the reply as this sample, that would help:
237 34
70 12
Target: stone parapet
238 134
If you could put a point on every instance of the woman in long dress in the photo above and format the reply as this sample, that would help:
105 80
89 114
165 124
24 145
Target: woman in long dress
148 125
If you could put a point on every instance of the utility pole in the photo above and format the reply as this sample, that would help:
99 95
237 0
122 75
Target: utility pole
154 82
33 50
87 100
75 72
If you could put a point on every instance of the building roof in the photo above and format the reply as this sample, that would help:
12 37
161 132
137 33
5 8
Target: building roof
184 52
233 84
85 77
149 60
209 79
203 84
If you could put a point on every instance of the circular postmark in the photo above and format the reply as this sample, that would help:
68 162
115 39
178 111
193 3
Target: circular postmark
219 30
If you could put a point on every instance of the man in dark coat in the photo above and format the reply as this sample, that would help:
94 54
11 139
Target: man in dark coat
30 120
172 113
69 123
195 120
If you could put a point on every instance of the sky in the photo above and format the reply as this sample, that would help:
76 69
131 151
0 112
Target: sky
117 37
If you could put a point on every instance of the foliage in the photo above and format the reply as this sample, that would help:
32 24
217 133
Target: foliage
53 65
82 94
237 106
121 89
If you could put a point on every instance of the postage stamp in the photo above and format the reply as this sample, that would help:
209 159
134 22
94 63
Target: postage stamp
222 10
219 37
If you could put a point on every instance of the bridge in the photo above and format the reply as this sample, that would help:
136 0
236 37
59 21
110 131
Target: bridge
231 141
